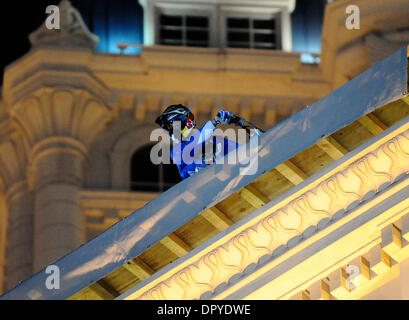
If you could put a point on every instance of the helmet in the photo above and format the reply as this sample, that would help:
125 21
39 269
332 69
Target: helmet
177 113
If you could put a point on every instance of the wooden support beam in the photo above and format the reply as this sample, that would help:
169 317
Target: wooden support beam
332 147
104 290
139 268
305 295
325 290
289 170
391 240
394 240
217 218
373 124
365 269
253 196
345 284
380 261
176 245
386 262
405 226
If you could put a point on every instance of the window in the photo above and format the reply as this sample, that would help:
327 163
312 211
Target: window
146 176
251 32
184 30
219 23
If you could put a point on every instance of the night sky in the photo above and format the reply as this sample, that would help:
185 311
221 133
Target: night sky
116 21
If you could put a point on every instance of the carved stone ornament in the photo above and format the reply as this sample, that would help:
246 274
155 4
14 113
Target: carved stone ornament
72 33
329 200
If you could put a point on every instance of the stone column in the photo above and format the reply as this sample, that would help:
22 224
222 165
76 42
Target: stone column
57 167
19 236
16 216
58 126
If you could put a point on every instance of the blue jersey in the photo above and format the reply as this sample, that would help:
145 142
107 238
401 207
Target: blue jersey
190 156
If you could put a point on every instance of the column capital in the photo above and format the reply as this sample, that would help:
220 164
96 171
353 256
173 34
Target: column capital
59 112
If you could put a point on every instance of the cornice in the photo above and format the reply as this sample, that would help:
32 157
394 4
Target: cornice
54 76
328 198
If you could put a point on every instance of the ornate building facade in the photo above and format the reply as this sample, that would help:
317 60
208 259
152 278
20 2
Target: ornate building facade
72 119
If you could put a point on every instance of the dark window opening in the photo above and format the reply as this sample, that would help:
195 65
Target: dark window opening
251 33
238 36
149 177
166 20
172 34
264 24
184 30
200 22
197 35
238 23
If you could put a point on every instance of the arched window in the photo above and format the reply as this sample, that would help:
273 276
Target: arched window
146 176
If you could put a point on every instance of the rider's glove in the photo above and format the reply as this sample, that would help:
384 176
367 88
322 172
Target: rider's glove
222 117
